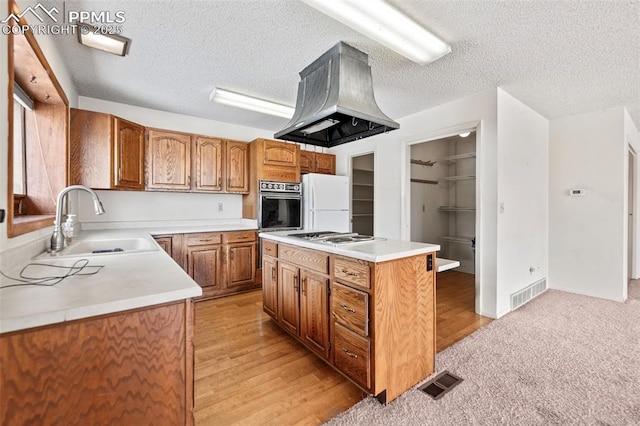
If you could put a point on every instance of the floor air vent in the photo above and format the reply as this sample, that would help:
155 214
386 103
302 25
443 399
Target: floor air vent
523 296
443 383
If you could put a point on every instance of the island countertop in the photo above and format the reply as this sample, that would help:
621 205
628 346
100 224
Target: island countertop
125 281
378 250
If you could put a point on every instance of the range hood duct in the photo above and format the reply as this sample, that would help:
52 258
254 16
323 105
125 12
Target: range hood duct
335 102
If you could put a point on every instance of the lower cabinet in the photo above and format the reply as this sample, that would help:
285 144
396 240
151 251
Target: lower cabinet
126 368
314 312
222 263
373 322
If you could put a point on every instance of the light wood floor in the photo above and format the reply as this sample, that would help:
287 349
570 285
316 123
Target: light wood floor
250 372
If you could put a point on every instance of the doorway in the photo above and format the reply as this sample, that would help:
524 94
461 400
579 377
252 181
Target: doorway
443 211
362 194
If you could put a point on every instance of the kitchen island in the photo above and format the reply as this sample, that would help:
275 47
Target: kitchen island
113 347
366 308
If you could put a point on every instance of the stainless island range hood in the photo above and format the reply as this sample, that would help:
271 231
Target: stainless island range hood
335 102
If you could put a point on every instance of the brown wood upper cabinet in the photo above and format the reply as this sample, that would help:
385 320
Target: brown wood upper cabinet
97 136
168 160
275 160
317 162
218 165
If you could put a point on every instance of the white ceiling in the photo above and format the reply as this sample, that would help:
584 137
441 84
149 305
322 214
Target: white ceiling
558 57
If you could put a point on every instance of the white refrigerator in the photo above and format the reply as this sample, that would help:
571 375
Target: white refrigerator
325 200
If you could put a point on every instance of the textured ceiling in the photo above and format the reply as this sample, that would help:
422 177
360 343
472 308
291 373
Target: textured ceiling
558 57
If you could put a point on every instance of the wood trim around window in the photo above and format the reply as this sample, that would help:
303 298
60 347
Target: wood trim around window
29 223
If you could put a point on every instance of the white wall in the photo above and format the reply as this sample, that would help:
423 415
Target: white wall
523 170
587 243
60 69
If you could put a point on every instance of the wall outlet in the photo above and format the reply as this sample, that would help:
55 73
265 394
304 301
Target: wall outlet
220 207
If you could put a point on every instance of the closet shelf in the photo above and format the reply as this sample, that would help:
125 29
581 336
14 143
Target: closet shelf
454 158
457 178
362 214
362 184
456 209
363 199
459 240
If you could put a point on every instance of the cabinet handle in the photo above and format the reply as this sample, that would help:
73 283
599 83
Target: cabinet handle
189 181
296 283
351 354
244 237
346 272
304 286
231 254
219 181
119 174
273 274
347 308
204 241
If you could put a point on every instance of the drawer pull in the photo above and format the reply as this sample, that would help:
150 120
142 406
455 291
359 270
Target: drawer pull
347 308
346 272
268 249
242 237
273 274
351 354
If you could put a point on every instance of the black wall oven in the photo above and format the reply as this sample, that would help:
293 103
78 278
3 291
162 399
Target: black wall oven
279 206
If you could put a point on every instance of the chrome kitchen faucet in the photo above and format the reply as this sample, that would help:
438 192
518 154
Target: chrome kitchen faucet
57 239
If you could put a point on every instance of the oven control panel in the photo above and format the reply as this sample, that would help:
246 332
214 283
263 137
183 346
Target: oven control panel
272 186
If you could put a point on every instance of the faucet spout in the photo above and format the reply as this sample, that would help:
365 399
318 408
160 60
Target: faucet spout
57 239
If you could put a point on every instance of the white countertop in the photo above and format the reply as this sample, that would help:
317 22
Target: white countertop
126 281
379 250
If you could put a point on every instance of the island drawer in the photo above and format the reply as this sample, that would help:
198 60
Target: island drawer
269 248
350 307
203 238
309 259
352 271
239 237
352 355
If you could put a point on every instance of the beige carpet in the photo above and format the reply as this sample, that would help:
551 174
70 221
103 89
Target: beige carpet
562 359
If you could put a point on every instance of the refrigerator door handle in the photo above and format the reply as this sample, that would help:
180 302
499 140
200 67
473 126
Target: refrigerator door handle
313 199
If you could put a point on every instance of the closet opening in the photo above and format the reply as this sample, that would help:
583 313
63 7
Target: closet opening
443 211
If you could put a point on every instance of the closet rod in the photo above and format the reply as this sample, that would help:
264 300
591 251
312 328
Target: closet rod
423 163
430 182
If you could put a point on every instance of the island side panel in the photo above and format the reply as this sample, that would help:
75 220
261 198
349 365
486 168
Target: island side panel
404 323
125 368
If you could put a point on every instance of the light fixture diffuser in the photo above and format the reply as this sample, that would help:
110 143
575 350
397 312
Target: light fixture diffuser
385 24
238 100
464 134
110 43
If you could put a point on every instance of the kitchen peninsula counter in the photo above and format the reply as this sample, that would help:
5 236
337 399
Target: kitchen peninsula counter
366 308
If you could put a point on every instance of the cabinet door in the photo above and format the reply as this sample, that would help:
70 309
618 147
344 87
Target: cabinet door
90 149
237 167
165 243
307 162
280 153
204 266
169 160
270 286
314 312
325 163
209 164
241 264
128 154
288 297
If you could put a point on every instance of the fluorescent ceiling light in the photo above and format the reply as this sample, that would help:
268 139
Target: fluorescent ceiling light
247 102
111 43
388 26
464 134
